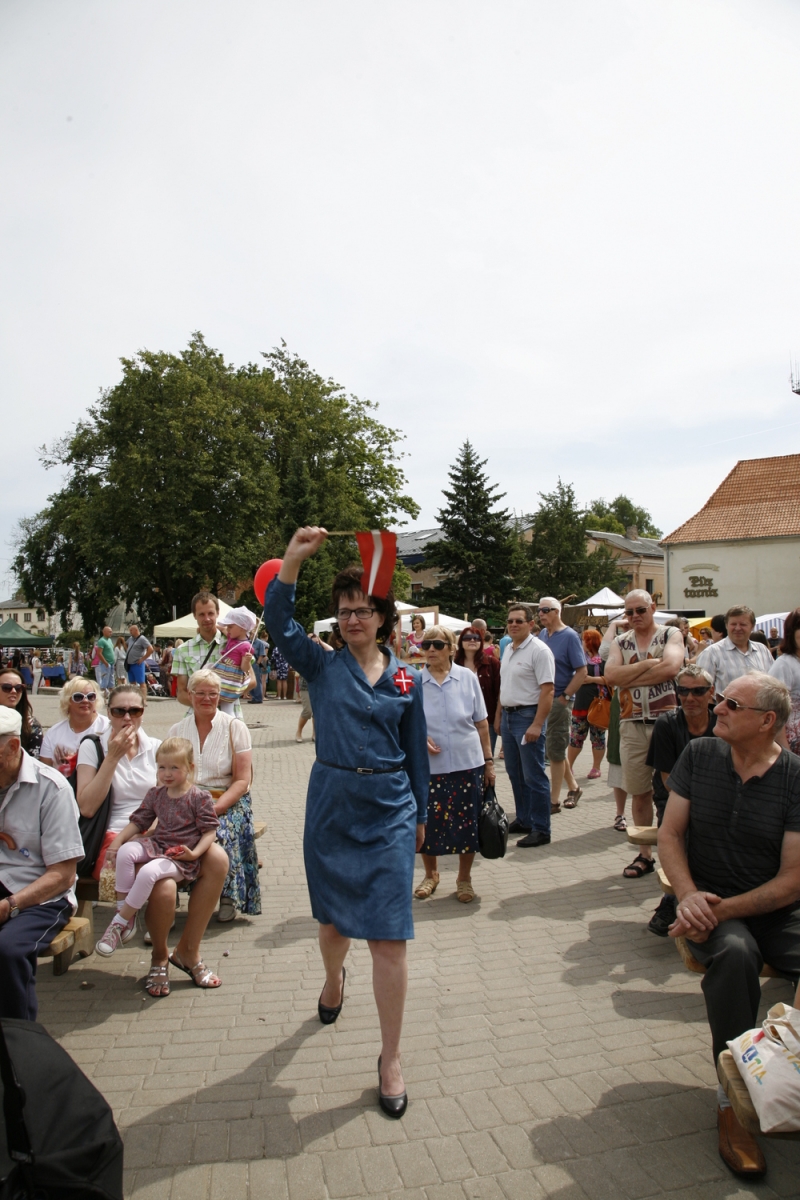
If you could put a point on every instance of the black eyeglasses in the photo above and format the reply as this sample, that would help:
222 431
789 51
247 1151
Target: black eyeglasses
363 614
698 691
436 644
735 706
517 621
121 712
12 687
471 637
77 697
547 610
630 611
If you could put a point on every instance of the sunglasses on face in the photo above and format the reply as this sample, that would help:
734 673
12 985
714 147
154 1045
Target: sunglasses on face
735 706
121 712
629 612
363 614
12 687
79 697
547 610
696 691
471 637
517 621
436 644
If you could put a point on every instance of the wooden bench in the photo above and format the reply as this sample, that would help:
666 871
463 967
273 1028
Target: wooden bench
643 835
77 937
88 890
735 1089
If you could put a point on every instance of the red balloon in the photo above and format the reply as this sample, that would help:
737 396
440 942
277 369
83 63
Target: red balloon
264 577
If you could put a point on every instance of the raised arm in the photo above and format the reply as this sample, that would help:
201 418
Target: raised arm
298 649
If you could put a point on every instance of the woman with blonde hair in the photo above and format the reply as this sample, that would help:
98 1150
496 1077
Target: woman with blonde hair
82 708
461 762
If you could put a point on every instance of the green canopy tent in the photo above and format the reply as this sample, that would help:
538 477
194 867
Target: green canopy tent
12 634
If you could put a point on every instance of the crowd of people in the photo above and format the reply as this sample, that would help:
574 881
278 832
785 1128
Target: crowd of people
707 730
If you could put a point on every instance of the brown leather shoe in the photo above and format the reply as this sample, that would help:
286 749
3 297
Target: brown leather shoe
738 1149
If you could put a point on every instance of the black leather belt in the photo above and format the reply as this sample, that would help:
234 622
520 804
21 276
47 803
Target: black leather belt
363 770
518 707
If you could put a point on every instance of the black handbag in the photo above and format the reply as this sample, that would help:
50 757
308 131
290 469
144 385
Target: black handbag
93 829
58 1140
492 826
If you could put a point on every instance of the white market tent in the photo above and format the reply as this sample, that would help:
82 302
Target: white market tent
406 611
771 621
184 627
600 602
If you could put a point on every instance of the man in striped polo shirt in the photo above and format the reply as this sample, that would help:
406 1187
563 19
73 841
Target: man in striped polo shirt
737 797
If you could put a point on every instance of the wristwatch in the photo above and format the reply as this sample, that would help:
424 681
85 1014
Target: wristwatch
13 909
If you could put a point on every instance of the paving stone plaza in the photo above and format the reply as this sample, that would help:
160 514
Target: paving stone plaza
552 1045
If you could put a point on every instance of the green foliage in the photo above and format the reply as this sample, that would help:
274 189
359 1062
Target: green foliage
619 515
478 553
190 472
558 562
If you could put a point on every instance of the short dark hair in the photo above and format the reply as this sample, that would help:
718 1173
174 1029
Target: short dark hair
718 624
348 584
790 628
526 608
202 597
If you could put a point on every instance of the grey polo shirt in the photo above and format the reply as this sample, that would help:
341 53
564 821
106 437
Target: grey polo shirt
39 813
523 671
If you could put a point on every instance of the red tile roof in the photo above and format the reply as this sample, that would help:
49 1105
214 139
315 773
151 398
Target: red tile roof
759 499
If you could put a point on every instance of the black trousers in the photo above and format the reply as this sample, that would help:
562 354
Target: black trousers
734 954
20 942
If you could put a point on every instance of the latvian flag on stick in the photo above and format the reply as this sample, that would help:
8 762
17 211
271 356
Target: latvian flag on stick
378 550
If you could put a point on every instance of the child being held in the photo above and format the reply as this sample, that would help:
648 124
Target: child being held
233 665
187 825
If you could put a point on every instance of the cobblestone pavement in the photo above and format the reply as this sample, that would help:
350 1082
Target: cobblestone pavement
552 1045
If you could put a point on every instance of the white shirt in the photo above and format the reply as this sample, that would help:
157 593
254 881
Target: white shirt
787 668
61 740
523 671
40 814
726 662
451 710
133 777
214 766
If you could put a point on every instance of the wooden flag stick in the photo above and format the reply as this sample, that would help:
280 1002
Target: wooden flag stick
343 533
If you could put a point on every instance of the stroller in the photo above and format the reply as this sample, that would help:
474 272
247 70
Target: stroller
154 686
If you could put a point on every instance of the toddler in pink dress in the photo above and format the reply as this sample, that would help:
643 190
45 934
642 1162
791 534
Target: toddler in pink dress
187 825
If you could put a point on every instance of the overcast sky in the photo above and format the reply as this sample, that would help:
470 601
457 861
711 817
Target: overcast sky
568 231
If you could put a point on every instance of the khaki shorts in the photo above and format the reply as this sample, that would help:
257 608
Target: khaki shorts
634 742
305 712
558 726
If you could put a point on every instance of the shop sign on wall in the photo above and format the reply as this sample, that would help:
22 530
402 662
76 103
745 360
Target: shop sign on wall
700 585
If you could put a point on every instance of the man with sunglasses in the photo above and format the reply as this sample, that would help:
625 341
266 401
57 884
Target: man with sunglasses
730 845
735 655
672 733
527 678
642 664
40 845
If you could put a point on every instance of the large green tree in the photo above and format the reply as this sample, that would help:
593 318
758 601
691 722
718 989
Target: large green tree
189 472
558 562
478 555
618 515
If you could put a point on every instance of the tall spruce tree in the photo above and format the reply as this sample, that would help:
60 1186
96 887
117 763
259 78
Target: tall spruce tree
476 556
558 562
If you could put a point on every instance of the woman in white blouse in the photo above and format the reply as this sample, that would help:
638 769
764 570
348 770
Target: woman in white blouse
223 763
460 758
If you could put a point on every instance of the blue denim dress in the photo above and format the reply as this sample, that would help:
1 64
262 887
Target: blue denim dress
360 829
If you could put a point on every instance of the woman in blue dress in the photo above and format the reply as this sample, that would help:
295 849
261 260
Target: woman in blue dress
367 795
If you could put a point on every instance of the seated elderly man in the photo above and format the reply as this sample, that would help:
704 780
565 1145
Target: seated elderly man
40 845
737 796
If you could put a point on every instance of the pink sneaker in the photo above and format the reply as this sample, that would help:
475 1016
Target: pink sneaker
112 939
593 774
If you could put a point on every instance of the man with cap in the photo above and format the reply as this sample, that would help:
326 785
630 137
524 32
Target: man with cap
40 846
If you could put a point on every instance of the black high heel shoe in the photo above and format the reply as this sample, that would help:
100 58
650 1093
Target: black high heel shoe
329 1015
393 1106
